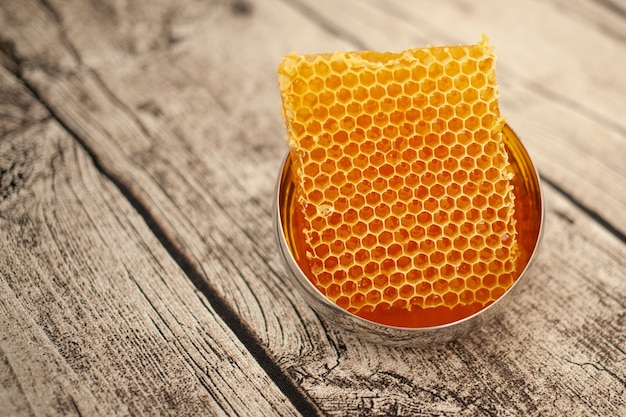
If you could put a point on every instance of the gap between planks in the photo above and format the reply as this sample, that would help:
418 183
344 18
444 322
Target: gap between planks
300 400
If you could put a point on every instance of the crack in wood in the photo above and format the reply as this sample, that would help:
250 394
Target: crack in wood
295 394
593 214
325 24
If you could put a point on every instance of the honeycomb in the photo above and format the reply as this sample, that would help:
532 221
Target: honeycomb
402 177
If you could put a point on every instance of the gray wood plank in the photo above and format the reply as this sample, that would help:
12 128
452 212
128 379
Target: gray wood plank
96 318
180 105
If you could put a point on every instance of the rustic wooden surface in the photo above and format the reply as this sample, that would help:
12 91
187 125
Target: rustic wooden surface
139 147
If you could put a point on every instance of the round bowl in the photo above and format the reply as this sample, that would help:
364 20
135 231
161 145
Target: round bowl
529 213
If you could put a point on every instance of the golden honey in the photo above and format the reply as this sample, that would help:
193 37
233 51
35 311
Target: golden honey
406 211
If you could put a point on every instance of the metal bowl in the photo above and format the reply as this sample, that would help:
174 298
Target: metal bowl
528 201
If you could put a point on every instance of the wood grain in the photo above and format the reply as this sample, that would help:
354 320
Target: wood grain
177 104
97 319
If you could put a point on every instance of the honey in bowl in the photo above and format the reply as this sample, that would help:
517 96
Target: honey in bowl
408 209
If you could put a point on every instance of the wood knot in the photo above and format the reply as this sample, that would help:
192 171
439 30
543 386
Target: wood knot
241 8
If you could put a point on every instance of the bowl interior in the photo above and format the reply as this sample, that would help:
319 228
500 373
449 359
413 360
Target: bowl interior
528 212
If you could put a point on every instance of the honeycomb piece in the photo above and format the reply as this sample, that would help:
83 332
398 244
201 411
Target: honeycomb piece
402 176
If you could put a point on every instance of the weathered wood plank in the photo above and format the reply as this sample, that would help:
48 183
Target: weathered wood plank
96 318
181 105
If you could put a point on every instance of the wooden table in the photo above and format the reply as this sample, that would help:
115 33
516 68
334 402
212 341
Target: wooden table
140 143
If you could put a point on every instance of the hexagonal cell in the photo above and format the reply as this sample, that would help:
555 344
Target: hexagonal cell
341 204
438 126
446 112
354 109
448 204
366 213
394 90
343 95
423 289
483 162
466 297
394 250
396 182
406 291
443 179
427 245
352 243
450 299
454 97
350 80
470 95
378 183
401 235
414 206
348 124
357 201
401 75
390 293
473 215
364 121
384 76
427 86
371 106
385 238
437 191
454 257
349 287
486 255
339 179
328 166
389 196
478 80
433 231
331 193
437 99
376 226
453 189
325 279
373 297
331 263
314 128
374 133
321 181
505 280
421 192
477 242
411 180
377 92
330 125
488 214
351 216
431 274
428 114
378 253
299 86
417 233
445 84
411 88
315 196
495 266
380 281
357 301
469 67
369 241
434 166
